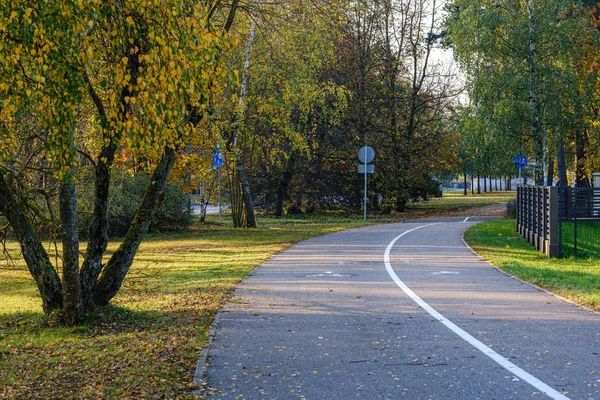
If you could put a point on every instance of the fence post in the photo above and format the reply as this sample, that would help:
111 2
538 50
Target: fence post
545 216
575 193
527 213
562 214
541 214
540 217
523 211
518 209
534 233
553 246
536 218
523 205
531 215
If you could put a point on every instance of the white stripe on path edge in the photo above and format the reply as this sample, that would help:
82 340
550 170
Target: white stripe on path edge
503 362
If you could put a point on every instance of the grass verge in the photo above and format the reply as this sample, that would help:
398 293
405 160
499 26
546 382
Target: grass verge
588 238
145 345
498 242
452 200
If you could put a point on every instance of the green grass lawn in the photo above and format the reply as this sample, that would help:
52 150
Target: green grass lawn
588 239
575 279
456 199
146 344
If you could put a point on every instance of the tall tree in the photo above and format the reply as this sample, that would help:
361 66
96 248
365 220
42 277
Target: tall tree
506 53
146 70
288 95
399 92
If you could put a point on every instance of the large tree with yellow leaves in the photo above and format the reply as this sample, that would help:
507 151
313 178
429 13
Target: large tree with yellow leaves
81 82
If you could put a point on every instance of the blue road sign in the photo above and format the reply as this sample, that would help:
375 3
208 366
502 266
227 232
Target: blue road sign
520 161
218 159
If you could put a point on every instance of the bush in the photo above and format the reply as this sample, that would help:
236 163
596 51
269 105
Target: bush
511 208
126 192
175 210
434 188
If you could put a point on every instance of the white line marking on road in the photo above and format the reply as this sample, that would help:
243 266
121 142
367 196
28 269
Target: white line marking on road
527 377
466 219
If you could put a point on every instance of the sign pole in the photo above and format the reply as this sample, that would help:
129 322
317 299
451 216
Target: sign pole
220 210
365 207
218 164
365 155
520 161
202 202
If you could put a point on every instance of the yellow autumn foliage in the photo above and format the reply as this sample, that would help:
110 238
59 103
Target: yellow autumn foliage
143 69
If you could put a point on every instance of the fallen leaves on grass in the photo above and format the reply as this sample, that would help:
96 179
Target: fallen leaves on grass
124 354
146 345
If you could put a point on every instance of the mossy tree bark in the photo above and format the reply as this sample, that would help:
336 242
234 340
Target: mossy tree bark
72 311
34 253
98 230
116 268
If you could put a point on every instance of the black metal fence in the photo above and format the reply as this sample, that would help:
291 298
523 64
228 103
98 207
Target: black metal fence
537 218
560 221
579 215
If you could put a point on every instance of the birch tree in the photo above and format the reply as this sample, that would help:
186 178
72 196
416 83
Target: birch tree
86 80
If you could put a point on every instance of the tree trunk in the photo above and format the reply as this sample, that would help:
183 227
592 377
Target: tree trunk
284 183
550 178
241 171
205 196
478 184
98 230
580 176
465 182
71 286
246 194
400 204
562 164
230 15
484 184
536 124
236 201
116 268
472 184
34 253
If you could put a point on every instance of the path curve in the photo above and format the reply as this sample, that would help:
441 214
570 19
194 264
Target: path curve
324 320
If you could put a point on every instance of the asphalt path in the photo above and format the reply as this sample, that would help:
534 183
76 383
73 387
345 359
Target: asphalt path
398 311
